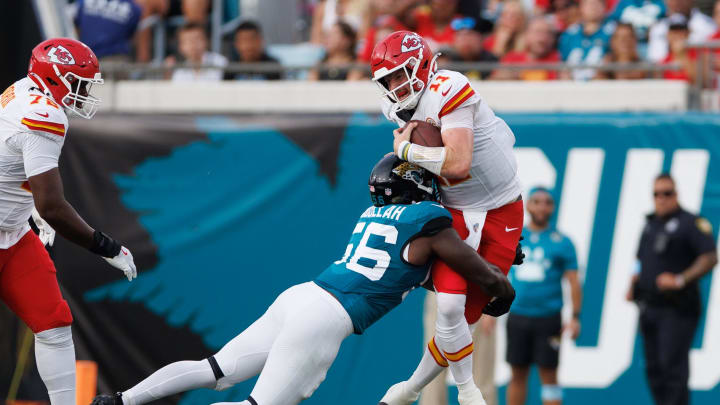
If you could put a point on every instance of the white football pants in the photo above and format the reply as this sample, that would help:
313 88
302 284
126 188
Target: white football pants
294 344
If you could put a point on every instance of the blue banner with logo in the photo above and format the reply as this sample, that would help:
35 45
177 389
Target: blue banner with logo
226 212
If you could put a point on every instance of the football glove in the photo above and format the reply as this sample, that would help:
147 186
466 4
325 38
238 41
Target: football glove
519 255
124 261
45 231
498 306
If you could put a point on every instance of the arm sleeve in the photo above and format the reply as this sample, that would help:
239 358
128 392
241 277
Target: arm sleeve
701 236
40 154
569 256
463 117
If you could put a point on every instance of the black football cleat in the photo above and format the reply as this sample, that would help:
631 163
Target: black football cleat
108 399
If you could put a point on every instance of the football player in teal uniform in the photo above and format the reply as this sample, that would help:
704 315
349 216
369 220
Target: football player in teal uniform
294 343
534 325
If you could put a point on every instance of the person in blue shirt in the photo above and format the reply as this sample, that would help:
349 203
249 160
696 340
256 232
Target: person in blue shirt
108 26
534 326
641 14
293 344
587 41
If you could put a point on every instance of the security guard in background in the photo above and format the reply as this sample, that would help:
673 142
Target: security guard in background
676 249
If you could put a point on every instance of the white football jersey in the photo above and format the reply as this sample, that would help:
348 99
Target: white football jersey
32 132
493 180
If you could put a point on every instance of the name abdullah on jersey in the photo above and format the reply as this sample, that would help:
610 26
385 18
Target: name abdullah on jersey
493 180
32 133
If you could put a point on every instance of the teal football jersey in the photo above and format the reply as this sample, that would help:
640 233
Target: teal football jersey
373 277
538 281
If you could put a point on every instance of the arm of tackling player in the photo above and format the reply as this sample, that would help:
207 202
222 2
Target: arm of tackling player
448 246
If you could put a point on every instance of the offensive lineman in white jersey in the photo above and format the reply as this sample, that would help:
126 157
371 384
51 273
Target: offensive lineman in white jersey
479 185
32 132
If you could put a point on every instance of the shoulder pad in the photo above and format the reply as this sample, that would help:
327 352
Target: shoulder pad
426 211
454 90
44 117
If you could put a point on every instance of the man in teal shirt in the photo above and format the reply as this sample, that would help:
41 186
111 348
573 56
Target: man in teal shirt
534 325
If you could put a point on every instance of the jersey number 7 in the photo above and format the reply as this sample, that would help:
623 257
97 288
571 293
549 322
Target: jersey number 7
381 257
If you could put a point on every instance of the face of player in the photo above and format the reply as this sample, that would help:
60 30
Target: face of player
249 44
395 81
592 10
192 44
541 206
665 197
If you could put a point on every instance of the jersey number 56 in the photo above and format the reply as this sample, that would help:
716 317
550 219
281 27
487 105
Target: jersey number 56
381 257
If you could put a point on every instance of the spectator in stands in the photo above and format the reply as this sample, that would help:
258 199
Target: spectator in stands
641 14
328 12
250 47
587 41
468 44
108 27
400 19
193 48
678 52
193 11
715 56
433 23
623 50
339 53
507 35
540 48
700 26
562 14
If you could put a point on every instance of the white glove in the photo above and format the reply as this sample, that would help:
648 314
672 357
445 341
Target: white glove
124 262
47 234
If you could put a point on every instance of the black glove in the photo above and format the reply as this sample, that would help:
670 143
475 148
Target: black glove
519 255
498 306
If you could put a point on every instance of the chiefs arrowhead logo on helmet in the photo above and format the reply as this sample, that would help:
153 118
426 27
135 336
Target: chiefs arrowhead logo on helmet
59 54
411 42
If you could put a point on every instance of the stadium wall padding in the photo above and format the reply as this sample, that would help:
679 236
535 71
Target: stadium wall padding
223 213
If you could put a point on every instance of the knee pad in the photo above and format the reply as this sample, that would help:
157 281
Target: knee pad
451 309
551 393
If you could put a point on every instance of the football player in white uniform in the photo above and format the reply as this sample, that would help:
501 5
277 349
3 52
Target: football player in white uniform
479 184
33 126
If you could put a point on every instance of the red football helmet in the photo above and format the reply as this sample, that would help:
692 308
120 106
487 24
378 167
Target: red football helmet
67 69
408 51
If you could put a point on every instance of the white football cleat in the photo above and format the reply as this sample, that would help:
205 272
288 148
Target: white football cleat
399 394
471 397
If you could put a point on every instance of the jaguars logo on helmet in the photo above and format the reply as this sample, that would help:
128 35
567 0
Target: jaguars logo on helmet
394 181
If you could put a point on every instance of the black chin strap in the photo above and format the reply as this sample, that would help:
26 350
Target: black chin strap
405 115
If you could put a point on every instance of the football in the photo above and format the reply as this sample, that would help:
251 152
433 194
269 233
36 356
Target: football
426 134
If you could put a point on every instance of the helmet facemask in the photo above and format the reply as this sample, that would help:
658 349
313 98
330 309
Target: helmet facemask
412 81
78 98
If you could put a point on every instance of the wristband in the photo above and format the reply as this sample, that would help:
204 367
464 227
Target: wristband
403 150
430 158
104 245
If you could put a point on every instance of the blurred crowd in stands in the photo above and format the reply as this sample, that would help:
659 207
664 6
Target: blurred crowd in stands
340 36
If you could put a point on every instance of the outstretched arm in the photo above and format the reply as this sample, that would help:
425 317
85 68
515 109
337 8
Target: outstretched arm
52 206
50 202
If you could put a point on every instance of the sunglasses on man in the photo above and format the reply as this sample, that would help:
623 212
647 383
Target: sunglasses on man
663 193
